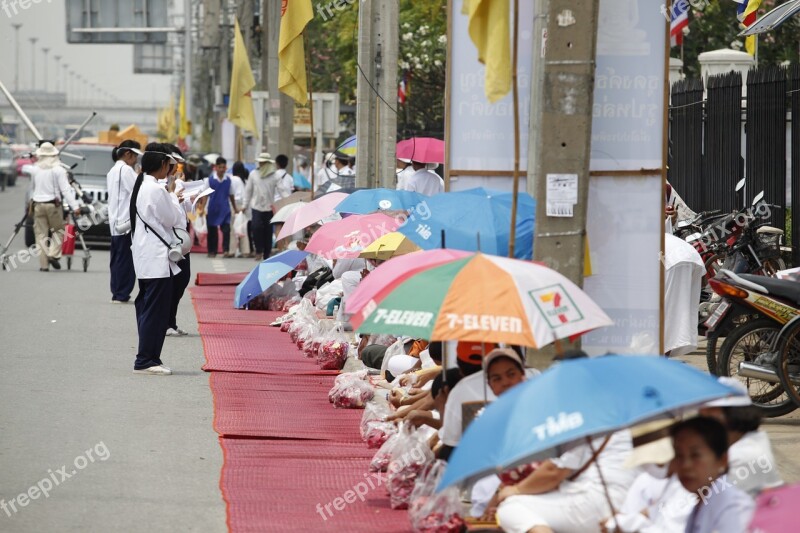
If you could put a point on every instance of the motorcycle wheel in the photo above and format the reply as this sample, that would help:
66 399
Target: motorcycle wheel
770 267
789 353
711 354
745 343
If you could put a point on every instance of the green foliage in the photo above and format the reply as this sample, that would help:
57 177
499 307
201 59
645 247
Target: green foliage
713 25
422 29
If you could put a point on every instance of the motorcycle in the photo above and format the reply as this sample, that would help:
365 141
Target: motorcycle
751 313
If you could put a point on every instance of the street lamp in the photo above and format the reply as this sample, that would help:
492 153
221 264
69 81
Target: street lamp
46 51
58 73
66 81
16 26
33 62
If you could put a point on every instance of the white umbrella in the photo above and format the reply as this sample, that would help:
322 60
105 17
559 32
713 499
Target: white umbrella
284 212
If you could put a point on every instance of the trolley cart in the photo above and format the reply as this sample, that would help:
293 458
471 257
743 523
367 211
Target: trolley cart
4 248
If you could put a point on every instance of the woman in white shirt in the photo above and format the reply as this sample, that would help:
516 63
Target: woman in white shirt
154 214
119 183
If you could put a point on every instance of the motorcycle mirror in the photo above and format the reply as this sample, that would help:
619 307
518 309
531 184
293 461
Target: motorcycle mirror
740 184
683 224
758 198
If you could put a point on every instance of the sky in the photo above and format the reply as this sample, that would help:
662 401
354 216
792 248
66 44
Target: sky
109 67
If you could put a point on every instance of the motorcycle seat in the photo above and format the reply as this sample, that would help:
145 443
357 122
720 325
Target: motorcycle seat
782 288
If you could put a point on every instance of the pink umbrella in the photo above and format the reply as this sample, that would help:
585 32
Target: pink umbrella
389 275
311 213
347 238
421 150
775 510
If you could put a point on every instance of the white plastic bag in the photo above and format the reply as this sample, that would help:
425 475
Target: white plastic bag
240 224
430 511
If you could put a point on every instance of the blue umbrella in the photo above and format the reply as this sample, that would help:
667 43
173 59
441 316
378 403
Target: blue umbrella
473 220
571 401
265 274
367 201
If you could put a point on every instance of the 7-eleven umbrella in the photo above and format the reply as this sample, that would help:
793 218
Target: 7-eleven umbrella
487 298
347 238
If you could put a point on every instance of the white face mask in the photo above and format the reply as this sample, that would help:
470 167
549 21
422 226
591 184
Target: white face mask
657 471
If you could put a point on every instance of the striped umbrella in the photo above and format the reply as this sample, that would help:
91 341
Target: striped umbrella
486 298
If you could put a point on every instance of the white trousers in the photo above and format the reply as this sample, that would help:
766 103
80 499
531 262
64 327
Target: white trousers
563 513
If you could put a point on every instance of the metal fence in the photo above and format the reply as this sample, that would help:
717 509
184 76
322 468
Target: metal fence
707 127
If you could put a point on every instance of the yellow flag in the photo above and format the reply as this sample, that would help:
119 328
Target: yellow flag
750 44
240 108
183 124
489 22
295 14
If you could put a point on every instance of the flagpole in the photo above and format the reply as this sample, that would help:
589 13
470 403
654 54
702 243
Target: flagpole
311 104
515 89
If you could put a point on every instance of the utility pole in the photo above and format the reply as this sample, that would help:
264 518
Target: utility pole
16 26
566 117
376 113
280 108
46 52
188 65
58 73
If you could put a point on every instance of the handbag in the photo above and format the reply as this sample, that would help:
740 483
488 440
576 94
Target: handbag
181 243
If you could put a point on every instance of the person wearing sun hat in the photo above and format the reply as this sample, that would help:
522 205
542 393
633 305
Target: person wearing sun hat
50 184
656 501
259 195
751 463
424 180
119 183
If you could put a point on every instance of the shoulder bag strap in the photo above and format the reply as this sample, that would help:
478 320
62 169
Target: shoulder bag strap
147 226
591 460
119 189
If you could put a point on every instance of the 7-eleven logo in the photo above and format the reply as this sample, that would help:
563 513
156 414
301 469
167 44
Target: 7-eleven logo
556 306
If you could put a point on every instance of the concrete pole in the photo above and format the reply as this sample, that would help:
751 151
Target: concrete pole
376 112
566 116
16 26
280 108
540 16
46 52
188 65
33 62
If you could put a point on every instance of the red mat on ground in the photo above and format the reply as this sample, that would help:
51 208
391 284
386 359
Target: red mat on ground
212 278
298 464
292 486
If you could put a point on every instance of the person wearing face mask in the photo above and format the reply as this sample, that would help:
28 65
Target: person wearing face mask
119 183
701 464
154 214
656 501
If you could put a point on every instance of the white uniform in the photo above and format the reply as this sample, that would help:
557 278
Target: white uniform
161 211
285 184
683 276
402 177
237 190
425 182
119 183
324 175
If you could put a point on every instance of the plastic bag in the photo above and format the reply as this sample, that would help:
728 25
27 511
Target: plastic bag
382 458
432 512
373 412
410 457
513 476
333 350
351 390
379 432
239 225
200 225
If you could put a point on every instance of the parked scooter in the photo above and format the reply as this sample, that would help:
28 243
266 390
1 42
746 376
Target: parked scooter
750 315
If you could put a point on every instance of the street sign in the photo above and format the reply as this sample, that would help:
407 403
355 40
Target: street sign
152 59
116 21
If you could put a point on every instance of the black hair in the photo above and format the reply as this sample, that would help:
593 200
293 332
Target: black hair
742 419
154 156
281 161
449 378
467 368
240 170
435 351
117 152
710 430
221 161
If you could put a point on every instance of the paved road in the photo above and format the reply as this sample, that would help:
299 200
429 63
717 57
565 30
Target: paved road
143 449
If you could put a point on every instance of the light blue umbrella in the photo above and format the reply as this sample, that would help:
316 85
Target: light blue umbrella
573 400
265 274
367 201
473 220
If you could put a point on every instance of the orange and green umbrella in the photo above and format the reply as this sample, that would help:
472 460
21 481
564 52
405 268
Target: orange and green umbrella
487 298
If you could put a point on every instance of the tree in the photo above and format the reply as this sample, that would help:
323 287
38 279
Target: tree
713 25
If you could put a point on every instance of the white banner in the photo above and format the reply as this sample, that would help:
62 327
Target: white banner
624 213
482 134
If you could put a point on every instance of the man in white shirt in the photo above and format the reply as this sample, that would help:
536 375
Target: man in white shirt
405 171
423 180
325 174
50 185
259 194
119 183
285 180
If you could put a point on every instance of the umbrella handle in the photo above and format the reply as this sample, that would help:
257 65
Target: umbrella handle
605 486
